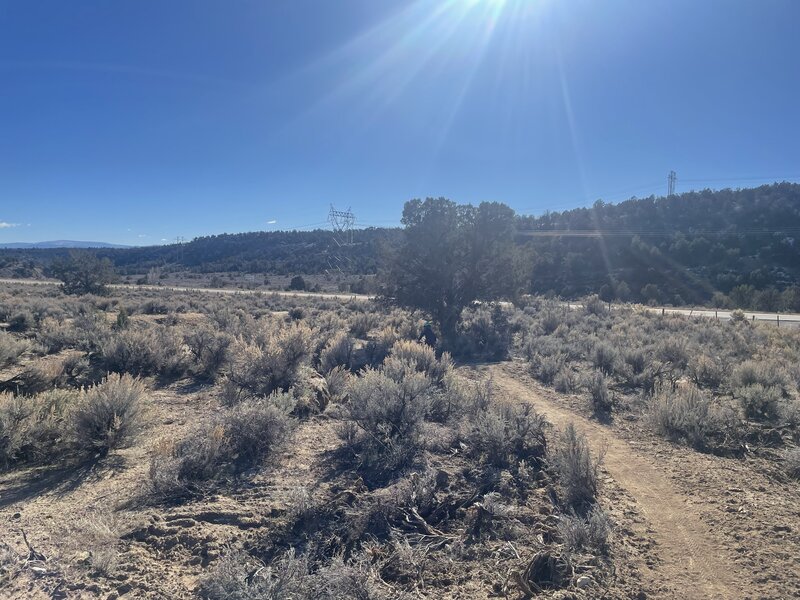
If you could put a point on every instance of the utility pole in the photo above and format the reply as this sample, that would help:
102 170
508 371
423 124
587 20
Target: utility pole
671 179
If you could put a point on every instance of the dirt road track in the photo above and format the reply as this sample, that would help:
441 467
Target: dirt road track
694 565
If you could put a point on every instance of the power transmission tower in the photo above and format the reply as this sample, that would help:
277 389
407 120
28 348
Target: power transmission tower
671 179
342 222
179 241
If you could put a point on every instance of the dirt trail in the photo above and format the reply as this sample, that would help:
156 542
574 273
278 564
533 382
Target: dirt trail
692 563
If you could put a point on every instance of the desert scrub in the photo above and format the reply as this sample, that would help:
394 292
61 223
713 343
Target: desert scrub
210 350
577 469
506 434
483 332
792 463
600 397
34 429
760 403
109 415
586 534
383 420
11 348
239 438
765 373
144 351
685 414
240 577
270 361
338 352
421 358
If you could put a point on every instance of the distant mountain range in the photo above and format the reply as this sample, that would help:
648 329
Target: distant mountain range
61 244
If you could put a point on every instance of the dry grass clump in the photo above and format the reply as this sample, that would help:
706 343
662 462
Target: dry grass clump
109 415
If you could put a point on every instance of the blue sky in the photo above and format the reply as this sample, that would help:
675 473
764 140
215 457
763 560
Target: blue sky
140 120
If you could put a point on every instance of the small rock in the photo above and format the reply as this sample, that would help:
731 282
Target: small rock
39 570
584 581
785 528
82 557
16 515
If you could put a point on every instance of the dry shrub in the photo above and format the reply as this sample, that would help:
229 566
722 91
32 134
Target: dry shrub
338 382
378 349
144 351
589 534
271 360
388 414
605 358
21 321
506 434
760 403
483 332
240 577
765 373
40 377
361 325
792 463
239 438
33 429
601 399
338 352
255 429
11 348
577 469
419 357
685 414
565 381
210 350
706 372
545 368
109 415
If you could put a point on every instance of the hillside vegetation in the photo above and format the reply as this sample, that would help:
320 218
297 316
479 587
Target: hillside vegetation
730 248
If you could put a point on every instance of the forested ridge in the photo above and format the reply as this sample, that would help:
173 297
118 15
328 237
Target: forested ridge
737 248
689 248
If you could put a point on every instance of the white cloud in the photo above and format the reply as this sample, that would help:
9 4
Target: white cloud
142 235
5 225
272 222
